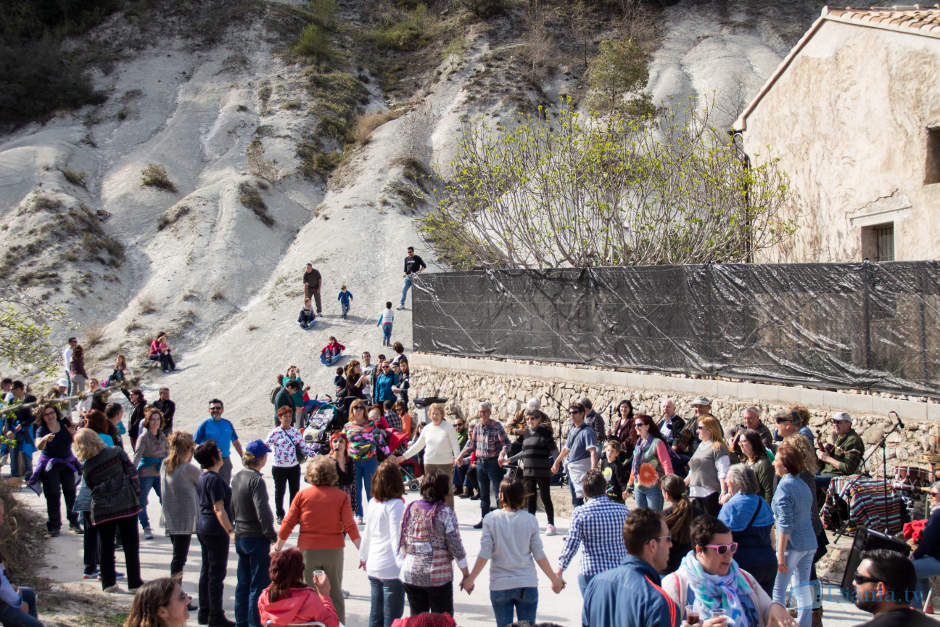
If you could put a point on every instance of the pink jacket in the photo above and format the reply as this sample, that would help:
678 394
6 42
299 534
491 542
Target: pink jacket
302 606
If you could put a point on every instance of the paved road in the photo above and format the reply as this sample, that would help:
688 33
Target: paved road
471 611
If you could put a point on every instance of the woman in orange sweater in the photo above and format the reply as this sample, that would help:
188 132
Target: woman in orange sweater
325 517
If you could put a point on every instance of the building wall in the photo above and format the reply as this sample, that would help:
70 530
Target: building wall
849 122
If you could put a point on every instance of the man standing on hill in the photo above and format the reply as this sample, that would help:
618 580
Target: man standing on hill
413 265
312 286
168 407
67 362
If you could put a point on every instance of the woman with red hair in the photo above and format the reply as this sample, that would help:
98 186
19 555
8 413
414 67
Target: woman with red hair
289 600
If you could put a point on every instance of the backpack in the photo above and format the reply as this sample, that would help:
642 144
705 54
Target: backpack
274 393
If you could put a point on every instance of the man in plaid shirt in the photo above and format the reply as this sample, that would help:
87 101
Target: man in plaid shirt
487 439
596 526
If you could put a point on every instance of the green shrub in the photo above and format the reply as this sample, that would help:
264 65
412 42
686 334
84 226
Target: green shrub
171 216
154 175
619 70
405 30
313 42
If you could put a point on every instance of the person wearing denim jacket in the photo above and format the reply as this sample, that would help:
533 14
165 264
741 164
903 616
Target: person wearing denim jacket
796 541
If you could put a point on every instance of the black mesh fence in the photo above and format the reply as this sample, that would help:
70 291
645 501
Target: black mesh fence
856 325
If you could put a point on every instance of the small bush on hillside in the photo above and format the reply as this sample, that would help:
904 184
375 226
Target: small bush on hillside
250 197
75 178
147 305
171 216
154 175
313 42
483 8
258 165
405 30
366 123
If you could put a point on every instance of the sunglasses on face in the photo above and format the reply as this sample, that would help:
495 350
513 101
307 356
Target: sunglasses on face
860 579
639 424
215 408
575 413
934 493
782 420
721 549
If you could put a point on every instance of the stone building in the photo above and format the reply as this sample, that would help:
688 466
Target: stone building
853 115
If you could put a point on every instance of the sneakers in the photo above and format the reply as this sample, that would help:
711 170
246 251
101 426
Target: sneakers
479 525
475 497
280 519
402 306
148 534
549 530
92 575
77 528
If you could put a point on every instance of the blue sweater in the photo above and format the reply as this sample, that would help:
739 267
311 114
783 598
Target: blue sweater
629 596
793 509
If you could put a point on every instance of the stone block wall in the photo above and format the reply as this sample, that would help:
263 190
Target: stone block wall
507 392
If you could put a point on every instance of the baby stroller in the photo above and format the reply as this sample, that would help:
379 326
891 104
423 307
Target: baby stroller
411 469
320 424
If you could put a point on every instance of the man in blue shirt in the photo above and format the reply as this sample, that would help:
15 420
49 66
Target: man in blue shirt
631 594
223 432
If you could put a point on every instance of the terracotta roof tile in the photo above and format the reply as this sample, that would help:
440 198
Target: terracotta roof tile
917 17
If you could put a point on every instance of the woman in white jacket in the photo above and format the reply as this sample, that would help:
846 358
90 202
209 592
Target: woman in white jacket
378 551
439 440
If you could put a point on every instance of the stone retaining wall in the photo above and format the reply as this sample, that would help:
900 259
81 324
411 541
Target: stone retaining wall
508 385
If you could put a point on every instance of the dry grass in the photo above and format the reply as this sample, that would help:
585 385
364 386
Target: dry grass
154 175
94 336
366 123
147 305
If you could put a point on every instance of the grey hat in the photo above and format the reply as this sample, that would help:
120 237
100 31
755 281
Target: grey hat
839 416
533 403
701 400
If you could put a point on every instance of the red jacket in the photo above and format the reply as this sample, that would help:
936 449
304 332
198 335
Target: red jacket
333 349
325 518
303 605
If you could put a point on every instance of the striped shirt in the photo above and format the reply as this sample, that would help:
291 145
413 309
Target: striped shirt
598 526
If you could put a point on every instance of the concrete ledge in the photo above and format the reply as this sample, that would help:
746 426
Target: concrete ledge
821 399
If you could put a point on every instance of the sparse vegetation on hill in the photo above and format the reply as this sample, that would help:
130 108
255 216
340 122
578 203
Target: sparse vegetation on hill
154 175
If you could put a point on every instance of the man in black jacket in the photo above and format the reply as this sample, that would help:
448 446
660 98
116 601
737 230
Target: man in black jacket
284 398
413 265
312 282
254 533
168 407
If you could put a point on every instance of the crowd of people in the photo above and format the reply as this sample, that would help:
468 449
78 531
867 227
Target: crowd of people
676 521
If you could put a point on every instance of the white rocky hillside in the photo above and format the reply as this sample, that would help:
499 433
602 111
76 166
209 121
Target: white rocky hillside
216 259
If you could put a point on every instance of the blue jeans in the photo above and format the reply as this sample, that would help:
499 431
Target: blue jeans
388 601
649 497
583 581
15 456
523 600
146 483
798 567
488 474
16 617
925 567
363 482
404 290
252 579
575 499
345 307
386 332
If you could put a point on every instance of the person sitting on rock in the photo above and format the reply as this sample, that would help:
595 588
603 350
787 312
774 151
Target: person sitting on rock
331 353
160 351
307 315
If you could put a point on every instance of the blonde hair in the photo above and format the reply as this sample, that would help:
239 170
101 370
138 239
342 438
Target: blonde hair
802 445
714 428
87 444
181 443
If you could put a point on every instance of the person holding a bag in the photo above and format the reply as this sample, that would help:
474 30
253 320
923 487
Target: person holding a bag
290 452
651 462
366 437
750 520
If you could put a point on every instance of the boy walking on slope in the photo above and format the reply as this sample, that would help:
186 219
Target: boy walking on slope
344 297
385 321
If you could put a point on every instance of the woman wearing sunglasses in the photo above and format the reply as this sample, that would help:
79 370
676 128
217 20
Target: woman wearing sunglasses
651 462
796 540
926 556
708 467
711 584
